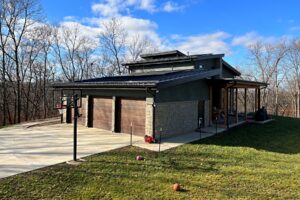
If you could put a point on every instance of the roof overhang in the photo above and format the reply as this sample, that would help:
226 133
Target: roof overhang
106 85
232 69
238 83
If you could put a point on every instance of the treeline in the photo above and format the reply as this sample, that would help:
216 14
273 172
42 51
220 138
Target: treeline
278 64
34 54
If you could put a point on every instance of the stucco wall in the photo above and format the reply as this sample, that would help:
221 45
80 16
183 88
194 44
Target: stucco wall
176 118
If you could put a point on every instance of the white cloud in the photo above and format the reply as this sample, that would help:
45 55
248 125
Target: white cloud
112 8
109 8
295 28
133 26
83 31
147 5
251 38
170 6
204 43
70 18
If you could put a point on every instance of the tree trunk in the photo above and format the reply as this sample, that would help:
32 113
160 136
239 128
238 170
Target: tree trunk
298 104
4 90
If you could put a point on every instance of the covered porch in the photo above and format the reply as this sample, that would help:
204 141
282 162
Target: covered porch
233 101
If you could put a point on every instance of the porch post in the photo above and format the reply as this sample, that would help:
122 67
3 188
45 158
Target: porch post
245 104
258 99
113 114
230 100
226 107
210 105
255 100
86 123
236 106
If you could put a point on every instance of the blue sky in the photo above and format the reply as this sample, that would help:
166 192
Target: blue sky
195 26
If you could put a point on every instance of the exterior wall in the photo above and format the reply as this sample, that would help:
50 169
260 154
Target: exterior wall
162 67
201 64
208 64
196 90
149 116
227 74
176 118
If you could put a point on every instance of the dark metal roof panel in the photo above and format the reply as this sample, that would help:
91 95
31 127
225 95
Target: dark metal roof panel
167 79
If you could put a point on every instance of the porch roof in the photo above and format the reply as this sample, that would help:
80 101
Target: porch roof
238 83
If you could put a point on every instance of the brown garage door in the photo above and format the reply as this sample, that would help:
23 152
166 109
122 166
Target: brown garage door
102 113
82 112
132 110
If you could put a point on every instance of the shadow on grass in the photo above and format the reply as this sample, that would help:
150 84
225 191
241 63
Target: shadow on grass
280 136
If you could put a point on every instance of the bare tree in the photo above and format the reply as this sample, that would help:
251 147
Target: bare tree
18 17
4 34
112 40
139 45
293 74
268 59
73 52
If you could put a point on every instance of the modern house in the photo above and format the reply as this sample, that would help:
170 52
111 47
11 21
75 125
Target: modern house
168 92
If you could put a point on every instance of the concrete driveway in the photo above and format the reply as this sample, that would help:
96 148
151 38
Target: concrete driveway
24 149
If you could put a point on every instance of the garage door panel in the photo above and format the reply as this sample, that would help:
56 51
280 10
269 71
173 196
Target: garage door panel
133 111
103 116
133 116
134 120
102 113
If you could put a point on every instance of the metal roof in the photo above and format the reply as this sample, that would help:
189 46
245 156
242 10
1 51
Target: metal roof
158 81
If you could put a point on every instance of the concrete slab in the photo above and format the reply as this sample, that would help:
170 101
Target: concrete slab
173 142
27 147
24 149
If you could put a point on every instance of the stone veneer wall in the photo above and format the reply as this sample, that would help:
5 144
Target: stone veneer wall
149 116
176 118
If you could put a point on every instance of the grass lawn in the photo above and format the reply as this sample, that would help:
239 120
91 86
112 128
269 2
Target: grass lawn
248 162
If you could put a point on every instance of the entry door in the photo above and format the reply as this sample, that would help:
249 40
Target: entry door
131 111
